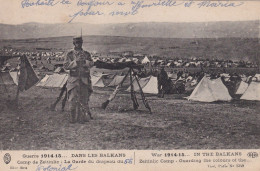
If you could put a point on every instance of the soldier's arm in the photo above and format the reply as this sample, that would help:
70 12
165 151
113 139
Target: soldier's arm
68 62
89 61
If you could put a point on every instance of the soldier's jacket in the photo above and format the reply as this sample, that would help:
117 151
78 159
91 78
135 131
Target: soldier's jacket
71 65
162 77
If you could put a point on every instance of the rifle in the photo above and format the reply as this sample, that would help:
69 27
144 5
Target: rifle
63 89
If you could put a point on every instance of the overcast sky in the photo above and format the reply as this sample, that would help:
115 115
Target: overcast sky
11 12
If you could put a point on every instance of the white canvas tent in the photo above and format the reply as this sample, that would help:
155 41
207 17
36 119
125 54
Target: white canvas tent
118 79
256 77
53 81
14 76
59 70
252 92
145 60
242 87
142 82
97 81
209 91
6 79
151 86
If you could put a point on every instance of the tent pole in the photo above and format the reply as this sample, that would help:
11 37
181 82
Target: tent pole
17 95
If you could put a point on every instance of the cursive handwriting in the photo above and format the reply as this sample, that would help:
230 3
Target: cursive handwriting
219 4
141 4
84 13
52 168
28 3
93 3
91 7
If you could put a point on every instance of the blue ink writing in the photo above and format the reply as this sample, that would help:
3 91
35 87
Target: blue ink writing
86 13
122 13
52 168
27 3
188 4
219 4
120 3
65 2
129 161
140 4
94 3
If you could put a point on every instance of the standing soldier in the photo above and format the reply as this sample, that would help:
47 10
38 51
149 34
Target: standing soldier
79 87
162 79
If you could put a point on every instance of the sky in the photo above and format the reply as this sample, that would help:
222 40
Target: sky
16 12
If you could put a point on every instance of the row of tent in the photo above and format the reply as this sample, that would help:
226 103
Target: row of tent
214 90
58 80
206 90
149 84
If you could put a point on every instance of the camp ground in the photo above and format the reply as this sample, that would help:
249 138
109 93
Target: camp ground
212 98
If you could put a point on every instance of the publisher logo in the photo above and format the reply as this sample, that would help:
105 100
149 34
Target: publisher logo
252 154
7 158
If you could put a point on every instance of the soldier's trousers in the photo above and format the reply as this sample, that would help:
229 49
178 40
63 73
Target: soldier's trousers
78 98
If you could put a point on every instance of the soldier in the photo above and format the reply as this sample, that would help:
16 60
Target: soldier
162 79
79 87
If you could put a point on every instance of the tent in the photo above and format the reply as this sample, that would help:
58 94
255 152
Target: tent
14 76
6 79
151 86
59 70
242 87
53 81
97 81
142 82
118 79
145 60
210 90
252 92
256 77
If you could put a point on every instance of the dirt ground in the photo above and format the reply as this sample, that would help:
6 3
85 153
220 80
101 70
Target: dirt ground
175 123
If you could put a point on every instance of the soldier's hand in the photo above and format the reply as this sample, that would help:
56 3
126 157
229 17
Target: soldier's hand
73 64
81 63
89 64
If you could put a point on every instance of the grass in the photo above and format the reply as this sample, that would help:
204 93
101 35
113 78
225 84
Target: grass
175 124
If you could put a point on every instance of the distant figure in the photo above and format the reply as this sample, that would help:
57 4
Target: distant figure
49 60
79 87
179 74
162 79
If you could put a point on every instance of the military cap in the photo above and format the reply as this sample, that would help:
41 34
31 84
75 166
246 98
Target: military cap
77 39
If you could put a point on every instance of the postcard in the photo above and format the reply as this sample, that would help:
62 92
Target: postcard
129 85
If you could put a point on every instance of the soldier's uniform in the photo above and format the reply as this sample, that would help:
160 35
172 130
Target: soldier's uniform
162 79
79 87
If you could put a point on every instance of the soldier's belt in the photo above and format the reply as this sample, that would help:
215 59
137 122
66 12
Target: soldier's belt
77 74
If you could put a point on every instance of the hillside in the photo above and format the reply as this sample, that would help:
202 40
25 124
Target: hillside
245 29
222 48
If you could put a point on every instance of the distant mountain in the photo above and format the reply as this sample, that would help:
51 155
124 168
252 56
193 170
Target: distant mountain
244 29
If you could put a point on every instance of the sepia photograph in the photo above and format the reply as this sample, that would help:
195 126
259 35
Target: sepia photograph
129 75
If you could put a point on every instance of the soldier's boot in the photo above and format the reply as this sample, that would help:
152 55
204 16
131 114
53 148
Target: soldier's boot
88 112
79 114
159 92
162 95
